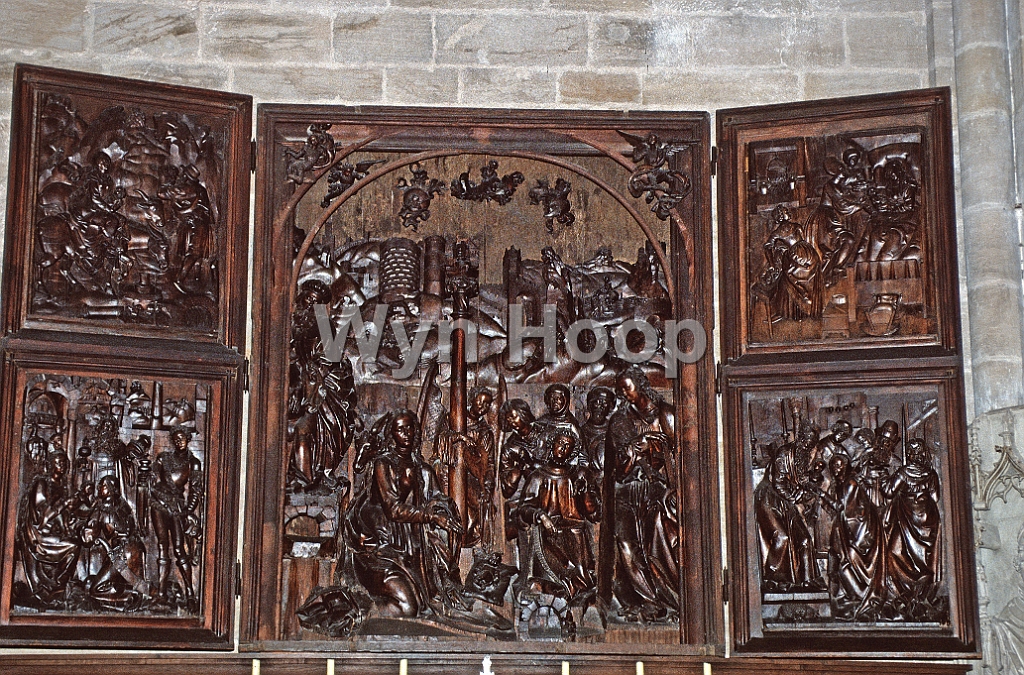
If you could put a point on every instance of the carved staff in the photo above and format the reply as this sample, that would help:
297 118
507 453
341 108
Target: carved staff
785 422
462 285
906 430
753 436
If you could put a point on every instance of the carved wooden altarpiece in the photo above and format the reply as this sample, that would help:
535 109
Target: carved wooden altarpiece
502 502
124 317
430 486
847 489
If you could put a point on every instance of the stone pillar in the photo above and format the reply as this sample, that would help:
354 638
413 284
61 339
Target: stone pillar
985 110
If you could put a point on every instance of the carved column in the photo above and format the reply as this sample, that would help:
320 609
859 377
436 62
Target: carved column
991 236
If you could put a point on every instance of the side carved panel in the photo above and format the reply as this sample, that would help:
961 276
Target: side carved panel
836 235
127 208
843 390
111 507
847 500
128 225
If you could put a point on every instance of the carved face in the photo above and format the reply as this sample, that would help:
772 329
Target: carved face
416 199
107 488
557 400
515 421
58 464
888 435
917 452
563 447
837 465
630 390
600 405
841 430
481 404
403 430
179 439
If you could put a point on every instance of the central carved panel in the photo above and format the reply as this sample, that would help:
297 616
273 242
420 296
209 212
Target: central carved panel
484 423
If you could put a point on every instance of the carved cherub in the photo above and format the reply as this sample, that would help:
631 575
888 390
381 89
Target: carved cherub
555 201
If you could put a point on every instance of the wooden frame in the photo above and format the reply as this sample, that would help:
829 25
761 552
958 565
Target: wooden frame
80 313
101 108
922 116
876 380
220 430
557 138
839 287
451 664
126 256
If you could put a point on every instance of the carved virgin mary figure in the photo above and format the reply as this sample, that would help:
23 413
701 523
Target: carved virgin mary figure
400 525
46 543
176 494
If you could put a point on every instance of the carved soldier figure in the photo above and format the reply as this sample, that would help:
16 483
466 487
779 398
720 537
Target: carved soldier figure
176 493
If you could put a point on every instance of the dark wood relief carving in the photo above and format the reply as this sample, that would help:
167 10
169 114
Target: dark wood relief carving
128 216
847 264
839 234
441 483
848 497
110 515
124 308
848 464
426 484
127 200
847 501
